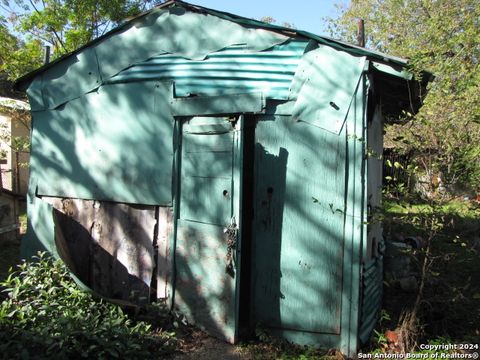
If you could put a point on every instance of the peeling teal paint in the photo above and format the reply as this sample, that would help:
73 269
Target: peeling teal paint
107 145
324 86
231 70
154 114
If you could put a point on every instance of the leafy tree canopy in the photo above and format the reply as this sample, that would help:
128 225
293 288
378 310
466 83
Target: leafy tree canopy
443 37
27 25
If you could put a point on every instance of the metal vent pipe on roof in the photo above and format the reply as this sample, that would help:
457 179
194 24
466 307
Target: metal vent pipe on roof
361 33
46 58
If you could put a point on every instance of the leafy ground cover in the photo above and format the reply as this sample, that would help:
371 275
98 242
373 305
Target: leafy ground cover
449 305
44 315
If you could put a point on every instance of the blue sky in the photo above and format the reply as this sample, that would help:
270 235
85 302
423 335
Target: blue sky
303 14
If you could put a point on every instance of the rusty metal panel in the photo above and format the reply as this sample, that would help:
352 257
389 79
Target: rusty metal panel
108 246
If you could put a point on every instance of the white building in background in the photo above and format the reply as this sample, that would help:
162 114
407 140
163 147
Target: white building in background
14 130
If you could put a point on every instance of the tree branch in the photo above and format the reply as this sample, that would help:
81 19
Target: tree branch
60 41
40 37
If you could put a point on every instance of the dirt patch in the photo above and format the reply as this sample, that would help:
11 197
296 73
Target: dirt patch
199 346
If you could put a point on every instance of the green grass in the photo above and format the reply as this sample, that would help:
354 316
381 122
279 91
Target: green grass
466 210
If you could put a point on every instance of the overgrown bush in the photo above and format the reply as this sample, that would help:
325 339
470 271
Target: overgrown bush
45 315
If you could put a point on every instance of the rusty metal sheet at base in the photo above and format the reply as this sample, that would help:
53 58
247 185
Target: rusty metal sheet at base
108 245
203 291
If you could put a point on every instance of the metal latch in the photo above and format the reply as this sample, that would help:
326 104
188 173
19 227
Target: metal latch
231 236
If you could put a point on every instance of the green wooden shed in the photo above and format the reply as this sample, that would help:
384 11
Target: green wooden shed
221 164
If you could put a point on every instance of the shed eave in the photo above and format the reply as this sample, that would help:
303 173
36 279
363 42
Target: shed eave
399 72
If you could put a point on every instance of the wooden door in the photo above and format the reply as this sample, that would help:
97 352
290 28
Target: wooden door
207 225
299 216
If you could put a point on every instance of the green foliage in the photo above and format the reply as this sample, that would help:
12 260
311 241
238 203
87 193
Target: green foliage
441 233
46 316
65 25
10 253
440 36
271 20
23 57
449 231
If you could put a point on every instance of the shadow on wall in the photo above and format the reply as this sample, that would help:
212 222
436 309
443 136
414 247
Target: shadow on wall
298 244
204 291
124 276
103 146
114 266
65 163
268 220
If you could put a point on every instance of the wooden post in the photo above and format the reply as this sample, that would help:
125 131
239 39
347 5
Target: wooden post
17 172
361 33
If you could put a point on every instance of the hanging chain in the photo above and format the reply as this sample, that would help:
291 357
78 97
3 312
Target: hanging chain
231 235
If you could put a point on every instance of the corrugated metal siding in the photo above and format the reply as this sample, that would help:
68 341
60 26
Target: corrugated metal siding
372 289
230 71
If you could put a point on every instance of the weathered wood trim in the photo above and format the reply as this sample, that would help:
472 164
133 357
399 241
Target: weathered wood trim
354 227
165 228
217 105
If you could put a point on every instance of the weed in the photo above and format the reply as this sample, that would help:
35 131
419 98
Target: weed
270 347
